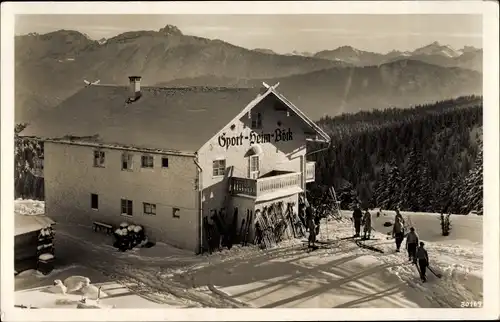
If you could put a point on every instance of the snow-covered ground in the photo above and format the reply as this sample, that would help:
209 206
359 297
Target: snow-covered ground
465 230
339 274
113 294
29 207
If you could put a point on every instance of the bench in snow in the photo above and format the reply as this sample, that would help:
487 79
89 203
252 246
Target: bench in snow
98 226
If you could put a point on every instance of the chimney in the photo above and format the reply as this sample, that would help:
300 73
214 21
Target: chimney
135 87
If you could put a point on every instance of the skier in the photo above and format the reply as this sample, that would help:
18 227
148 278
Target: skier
367 224
423 260
356 216
310 226
411 244
317 221
398 233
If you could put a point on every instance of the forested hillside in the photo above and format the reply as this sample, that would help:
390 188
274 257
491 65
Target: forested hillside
426 158
26 154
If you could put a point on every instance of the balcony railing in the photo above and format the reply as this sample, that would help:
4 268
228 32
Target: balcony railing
310 171
262 186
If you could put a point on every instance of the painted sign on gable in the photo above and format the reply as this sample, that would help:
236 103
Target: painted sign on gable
279 135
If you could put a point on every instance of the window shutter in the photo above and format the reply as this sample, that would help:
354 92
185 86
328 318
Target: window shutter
250 167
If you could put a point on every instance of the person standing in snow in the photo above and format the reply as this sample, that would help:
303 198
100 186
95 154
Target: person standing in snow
310 226
411 244
367 224
423 260
398 233
317 221
356 216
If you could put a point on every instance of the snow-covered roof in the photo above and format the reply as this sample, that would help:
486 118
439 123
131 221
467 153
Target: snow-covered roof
29 223
171 120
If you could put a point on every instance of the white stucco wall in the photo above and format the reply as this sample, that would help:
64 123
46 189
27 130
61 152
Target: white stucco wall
282 155
71 178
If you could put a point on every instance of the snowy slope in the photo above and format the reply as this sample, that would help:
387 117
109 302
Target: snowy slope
339 274
467 230
342 274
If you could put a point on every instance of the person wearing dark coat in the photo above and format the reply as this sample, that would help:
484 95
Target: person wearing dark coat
310 226
398 233
357 215
317 221
422 260
367 224
411 244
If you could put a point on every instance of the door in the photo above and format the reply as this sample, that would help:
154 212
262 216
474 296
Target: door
254 167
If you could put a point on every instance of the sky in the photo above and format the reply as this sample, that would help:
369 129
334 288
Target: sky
283 33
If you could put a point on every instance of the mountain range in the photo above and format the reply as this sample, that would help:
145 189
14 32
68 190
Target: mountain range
333 91
443 55
51 67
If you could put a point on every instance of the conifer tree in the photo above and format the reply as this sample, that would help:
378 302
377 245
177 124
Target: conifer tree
474 185
379 197
393 189
26 150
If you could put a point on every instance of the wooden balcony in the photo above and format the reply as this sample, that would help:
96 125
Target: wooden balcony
310 171
267 186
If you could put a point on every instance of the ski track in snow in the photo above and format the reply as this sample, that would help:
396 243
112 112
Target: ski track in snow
456 264
170 279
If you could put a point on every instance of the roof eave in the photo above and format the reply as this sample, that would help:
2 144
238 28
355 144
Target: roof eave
325 137
319 140
118 147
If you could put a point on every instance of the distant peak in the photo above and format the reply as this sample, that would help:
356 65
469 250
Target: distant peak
346 47
468 49
171 30
64 33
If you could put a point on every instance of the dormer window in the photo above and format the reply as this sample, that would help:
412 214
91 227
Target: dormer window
257 121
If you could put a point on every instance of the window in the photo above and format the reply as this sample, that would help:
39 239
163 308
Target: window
254 166
126 207
219 168
149 208
164 162
147 161
99 159
127 161
257 121
174 212
94 201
